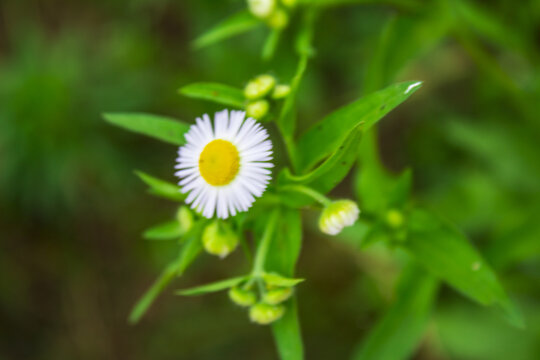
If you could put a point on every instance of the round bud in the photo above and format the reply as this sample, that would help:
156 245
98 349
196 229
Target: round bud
264 314
394 218
278 19
281 91
184 215
257 109
241 296
261 8
259 87
219 239
277 296
337 215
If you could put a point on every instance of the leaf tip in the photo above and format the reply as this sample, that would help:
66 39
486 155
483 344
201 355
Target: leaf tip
413 87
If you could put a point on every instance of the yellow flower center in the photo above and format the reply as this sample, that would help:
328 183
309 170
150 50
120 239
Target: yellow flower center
219 162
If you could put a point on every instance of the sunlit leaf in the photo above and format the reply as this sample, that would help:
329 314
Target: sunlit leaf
165 231
159 127
278 280
447 254
399 331
218 93
213 287
326 136
236 24
161 188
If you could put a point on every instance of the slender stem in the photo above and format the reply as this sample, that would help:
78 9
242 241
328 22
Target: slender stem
262 250
315 195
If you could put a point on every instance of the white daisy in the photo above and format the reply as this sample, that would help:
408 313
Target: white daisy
224 167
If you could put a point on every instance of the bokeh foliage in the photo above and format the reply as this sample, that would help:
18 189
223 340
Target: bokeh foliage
72 259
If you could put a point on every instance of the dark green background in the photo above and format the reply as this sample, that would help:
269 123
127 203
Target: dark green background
72 261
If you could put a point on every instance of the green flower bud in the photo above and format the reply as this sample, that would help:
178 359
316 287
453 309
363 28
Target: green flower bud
277 296
281 91
289 3
394 218
257 109
241 296
278 19
261 8
264 314
219 239
337 215
259 87
184 215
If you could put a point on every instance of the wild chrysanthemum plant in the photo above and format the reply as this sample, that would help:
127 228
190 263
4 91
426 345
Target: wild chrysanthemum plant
233 186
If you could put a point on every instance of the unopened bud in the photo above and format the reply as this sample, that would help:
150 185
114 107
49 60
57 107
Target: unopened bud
261 8
394 218
241 296
219 239
259 87
184 215
278 19
337 215
281 91
264 314
257 109
277 296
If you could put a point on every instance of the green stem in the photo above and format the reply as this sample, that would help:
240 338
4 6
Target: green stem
264 245
315 195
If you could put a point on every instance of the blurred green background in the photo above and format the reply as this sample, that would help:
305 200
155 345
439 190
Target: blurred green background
73 262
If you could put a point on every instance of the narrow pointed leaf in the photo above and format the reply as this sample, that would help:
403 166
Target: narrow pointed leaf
161 188
447 254
159 127
186 256
278 280
218 93
164 231
327 135
236 24
213 287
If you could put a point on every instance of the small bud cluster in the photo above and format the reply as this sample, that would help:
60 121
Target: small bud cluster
260 88
265 308
274 13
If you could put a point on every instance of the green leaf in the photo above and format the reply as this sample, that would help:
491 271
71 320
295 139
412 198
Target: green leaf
278 280
165 231
236 24
218 93
399 332
401 189
160 127
161 188
373 183
282 257
447 254
327 135
327 175
287 335
213 287
186 256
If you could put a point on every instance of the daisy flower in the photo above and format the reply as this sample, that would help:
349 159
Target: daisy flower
226 166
